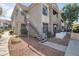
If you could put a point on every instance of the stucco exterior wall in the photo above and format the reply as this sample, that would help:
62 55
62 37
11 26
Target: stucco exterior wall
59 22
35 17
16 23
45 18
20 18
54 19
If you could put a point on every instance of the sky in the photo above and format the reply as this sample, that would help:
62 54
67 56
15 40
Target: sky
61 5
7 10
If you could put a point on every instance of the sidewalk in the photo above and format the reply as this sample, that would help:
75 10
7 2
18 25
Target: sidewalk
4 44
73 48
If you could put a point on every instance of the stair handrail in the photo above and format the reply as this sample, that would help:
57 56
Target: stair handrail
37 32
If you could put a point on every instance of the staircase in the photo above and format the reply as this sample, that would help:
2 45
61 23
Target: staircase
40 37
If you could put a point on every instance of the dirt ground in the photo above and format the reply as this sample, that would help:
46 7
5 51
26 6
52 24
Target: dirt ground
34 49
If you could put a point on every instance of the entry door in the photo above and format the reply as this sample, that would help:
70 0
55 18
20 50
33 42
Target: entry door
45 28
23 29
55 27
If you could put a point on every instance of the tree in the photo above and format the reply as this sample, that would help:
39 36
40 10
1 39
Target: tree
75 27
71 12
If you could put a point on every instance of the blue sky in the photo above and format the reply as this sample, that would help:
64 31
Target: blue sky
61 5
8 9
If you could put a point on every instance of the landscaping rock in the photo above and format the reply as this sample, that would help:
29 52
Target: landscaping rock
15 40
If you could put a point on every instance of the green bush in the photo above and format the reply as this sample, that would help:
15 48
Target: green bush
75 28
11 32
49 34
1 30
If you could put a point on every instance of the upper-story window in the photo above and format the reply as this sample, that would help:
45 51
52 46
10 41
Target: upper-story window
18 11
45 10
55 13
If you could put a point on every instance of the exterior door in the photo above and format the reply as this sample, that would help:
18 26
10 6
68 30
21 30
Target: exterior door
23 29
45 28
54 29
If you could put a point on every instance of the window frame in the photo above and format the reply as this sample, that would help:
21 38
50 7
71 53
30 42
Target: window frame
45 28
45 10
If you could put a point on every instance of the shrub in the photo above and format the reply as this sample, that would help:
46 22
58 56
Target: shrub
0 30
49 34
75 28
11 32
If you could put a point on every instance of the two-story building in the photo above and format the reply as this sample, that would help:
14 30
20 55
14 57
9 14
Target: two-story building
42 18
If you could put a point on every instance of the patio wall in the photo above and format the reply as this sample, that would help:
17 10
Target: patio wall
74 36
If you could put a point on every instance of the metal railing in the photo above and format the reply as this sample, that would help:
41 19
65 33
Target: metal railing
39 36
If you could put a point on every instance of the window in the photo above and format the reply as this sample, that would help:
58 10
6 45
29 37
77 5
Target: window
45 10
61 20
45 27
54 12
23 26
18 11
23 29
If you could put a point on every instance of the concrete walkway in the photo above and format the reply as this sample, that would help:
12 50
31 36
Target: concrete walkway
55 46
4 44
73 48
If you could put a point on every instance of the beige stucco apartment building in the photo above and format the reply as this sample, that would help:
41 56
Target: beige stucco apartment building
42 18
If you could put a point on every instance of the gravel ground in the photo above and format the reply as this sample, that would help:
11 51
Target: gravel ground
35 49
20 49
